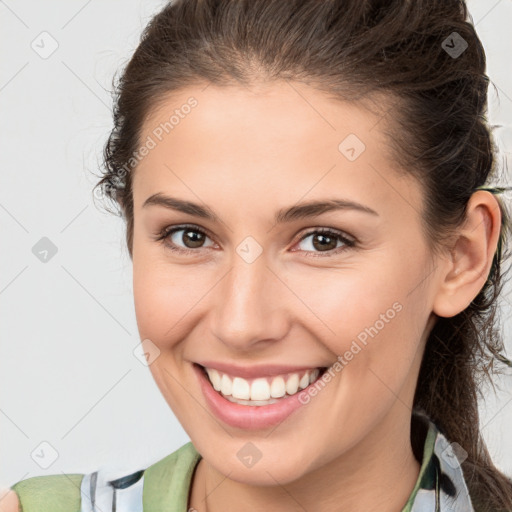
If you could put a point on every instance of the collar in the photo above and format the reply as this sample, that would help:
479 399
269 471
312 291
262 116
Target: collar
440 486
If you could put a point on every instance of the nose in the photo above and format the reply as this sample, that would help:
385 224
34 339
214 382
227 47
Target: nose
250 305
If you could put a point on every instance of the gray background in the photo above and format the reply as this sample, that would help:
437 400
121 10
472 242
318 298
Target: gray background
68 376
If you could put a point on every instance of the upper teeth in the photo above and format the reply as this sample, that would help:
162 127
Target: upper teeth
261 388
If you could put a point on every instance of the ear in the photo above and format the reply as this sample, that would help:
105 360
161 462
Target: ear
464 274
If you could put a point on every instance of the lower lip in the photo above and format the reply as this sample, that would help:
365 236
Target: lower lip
249 417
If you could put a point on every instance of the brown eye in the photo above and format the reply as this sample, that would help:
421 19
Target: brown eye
326 241
184 239
194 238
322 241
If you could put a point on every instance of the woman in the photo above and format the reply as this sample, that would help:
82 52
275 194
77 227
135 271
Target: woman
316 259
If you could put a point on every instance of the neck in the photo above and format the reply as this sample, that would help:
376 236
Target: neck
377 474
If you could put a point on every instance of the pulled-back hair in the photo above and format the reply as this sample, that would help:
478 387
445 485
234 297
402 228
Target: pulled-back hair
435 90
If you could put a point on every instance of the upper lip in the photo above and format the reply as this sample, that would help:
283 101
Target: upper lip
251 372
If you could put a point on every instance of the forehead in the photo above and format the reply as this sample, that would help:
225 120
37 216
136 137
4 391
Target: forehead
286 139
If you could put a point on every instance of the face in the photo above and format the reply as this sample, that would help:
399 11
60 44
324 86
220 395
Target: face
272 296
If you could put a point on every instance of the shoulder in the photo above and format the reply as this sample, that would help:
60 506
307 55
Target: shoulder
9 501
165 482
56 492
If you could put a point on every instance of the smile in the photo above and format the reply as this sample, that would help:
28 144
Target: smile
263 390
269 399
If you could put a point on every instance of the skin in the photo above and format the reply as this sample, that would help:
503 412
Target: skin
247 153
8 501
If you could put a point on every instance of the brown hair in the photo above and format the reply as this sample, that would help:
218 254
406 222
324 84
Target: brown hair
402 51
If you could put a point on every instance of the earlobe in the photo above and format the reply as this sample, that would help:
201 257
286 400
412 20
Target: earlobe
463 275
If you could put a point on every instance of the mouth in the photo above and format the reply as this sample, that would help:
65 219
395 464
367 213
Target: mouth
260 391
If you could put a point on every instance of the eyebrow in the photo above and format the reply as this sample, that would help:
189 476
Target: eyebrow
290 214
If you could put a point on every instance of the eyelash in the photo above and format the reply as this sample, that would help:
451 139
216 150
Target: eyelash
165 233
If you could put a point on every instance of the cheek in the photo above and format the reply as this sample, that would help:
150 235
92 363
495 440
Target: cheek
167 298
161 302
158 299
374 318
